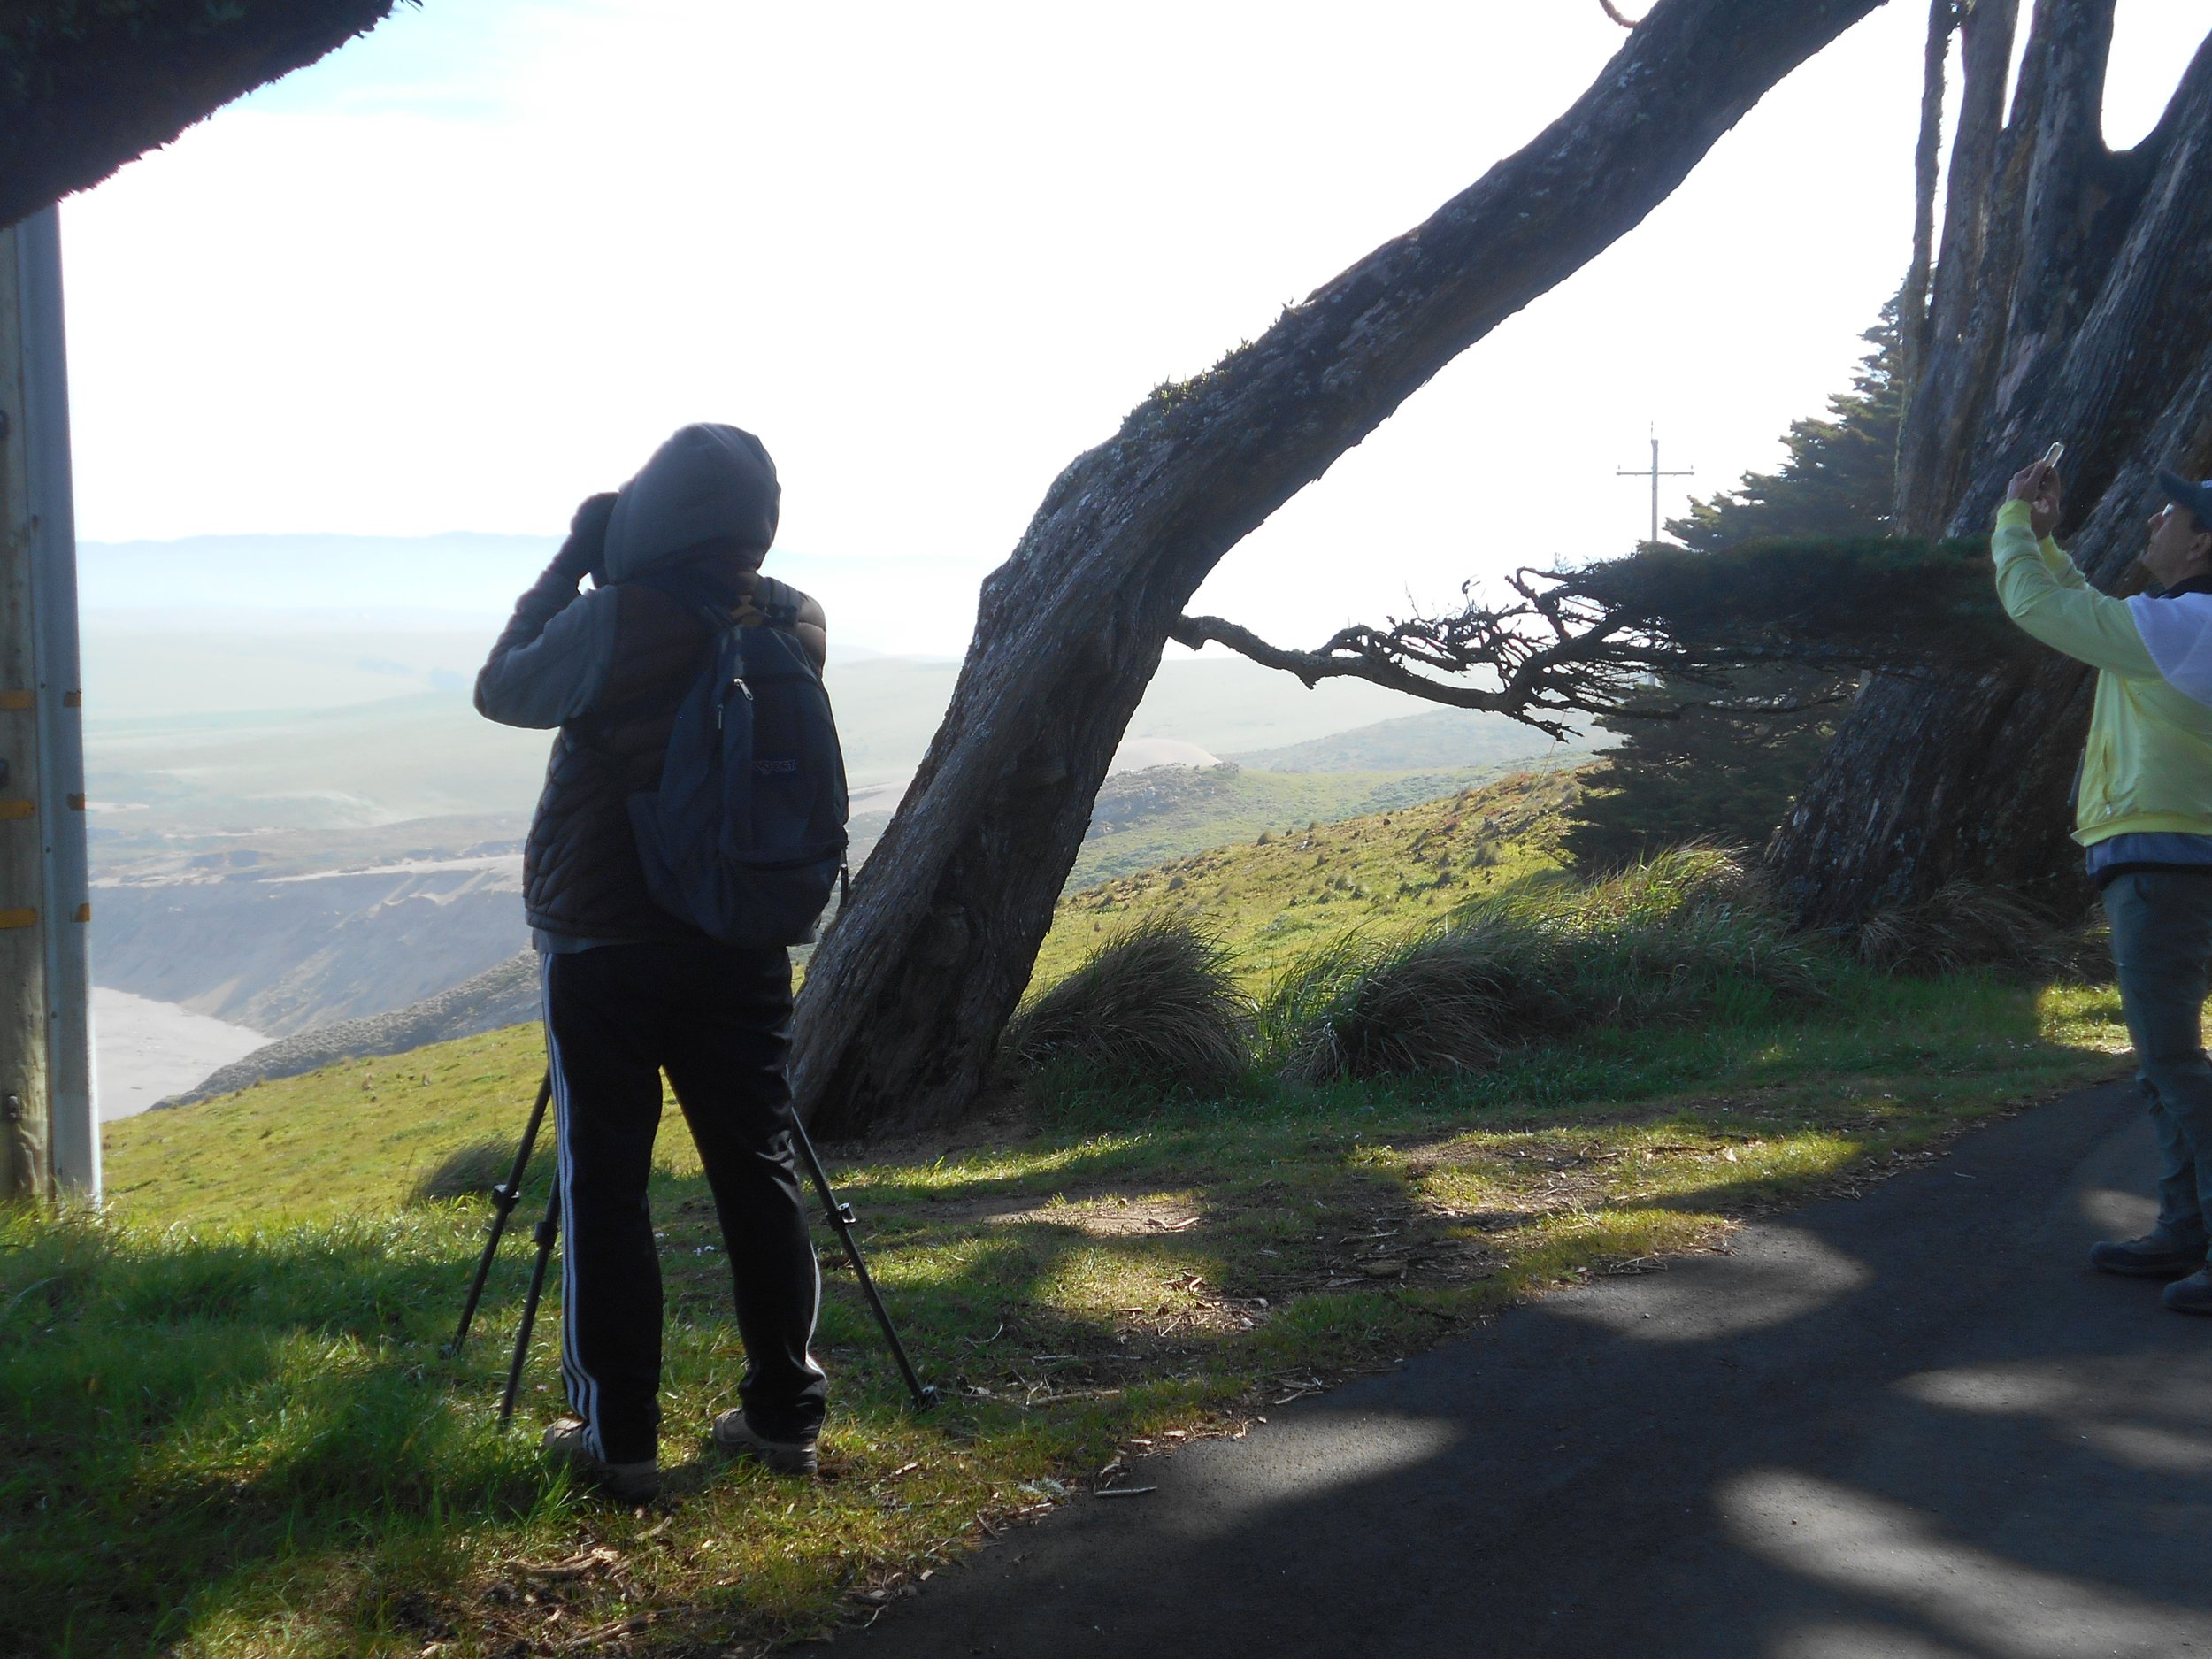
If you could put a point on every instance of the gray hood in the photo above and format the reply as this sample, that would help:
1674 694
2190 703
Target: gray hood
707 483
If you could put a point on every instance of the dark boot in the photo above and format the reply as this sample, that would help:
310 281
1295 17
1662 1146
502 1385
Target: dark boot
2193 1295
2157 1254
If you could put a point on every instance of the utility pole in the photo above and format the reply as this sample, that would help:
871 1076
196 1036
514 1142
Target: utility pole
1655 475
49 1134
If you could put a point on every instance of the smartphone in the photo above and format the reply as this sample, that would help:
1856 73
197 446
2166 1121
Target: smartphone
2051 454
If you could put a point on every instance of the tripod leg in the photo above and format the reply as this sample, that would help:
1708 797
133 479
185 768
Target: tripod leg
840 1219
504 1199
547 1230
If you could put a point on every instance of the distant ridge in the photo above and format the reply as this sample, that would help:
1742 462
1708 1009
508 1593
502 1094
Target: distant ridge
504 995
1441 738
464 570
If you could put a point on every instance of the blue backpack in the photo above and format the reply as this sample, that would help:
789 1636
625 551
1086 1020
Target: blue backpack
745 837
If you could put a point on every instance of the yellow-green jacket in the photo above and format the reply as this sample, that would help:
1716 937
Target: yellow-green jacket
2148 763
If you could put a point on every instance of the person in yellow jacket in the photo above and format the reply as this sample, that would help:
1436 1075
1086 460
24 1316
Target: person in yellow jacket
2144 814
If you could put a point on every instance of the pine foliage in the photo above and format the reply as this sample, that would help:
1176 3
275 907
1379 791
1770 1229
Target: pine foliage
1728 766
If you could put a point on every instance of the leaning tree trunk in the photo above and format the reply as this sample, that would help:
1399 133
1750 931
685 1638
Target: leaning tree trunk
2073 300
906 995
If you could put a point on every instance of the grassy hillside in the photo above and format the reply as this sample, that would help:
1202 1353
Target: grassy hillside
1299 878
352 1137
1144 819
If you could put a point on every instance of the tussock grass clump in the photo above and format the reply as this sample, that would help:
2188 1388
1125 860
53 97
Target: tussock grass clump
1965 925
469 1171
1664 941
1156 1003
1442 999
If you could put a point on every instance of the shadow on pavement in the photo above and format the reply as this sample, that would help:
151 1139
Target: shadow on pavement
1910 1424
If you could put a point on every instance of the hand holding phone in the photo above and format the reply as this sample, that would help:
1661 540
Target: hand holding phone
2037 484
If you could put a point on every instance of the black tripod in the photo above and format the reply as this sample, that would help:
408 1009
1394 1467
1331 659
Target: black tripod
509 1193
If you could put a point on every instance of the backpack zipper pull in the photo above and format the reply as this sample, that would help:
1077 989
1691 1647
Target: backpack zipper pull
722 703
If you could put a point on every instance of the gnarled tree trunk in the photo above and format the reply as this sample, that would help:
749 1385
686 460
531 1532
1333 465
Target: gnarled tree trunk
2069 302
906 995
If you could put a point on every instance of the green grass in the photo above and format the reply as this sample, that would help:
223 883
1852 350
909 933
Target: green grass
1309 880
226 1427
1143 819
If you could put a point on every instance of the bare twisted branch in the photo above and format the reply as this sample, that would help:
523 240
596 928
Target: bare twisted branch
1594 642
1554 650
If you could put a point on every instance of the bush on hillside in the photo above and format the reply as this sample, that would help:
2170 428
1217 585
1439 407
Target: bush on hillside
1663 941
1156 1003
1964 925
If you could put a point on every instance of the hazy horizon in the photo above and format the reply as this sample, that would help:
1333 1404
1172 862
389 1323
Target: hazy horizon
472 266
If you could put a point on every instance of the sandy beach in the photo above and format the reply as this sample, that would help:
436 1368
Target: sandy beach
144 1051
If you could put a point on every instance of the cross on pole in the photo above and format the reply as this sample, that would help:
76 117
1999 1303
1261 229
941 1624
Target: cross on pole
1655 475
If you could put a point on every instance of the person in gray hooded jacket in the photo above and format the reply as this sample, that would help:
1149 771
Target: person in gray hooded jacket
630 989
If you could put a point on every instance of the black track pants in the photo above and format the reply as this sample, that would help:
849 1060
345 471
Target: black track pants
718 1019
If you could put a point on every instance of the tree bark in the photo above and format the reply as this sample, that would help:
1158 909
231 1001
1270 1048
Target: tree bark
2069 304
908 991
86 88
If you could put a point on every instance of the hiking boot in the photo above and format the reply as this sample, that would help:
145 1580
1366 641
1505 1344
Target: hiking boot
627 1483
2155 1255
2193 1295
735 1435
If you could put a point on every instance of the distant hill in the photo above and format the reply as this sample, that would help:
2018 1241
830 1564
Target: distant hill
1440 739
287 930
498 998
1270 896
892 602
282 952
337 728
336 1125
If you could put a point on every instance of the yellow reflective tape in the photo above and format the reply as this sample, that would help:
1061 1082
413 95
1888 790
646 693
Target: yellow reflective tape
16 808
73 699
18 919
84 912
19 700
75 803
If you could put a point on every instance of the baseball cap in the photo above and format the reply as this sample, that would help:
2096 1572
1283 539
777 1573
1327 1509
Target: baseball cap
2196 497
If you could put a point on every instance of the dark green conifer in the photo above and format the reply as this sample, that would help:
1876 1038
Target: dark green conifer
1729 769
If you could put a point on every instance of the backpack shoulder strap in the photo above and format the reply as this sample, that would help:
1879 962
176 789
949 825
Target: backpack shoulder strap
773 604
719 622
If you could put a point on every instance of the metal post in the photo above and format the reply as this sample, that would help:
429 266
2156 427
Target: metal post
49 1122
1655 475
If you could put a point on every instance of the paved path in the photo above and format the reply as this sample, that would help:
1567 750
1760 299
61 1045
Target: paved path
1908 1425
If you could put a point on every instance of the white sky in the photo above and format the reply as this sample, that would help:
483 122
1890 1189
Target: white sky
474 266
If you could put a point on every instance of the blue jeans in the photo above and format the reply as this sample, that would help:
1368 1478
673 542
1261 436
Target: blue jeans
2161 945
